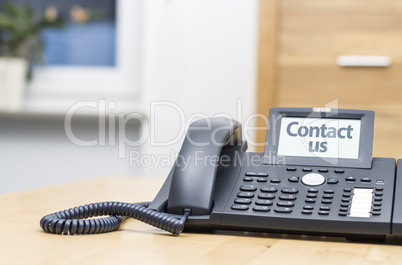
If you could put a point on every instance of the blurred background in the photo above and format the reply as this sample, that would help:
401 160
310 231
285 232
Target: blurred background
129 72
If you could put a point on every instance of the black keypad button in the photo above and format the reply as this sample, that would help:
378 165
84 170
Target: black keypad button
326 201
308 207
350 179
323 212
310 200
291 169
240 207
261 174
378 193
307 169
377 204
345 205
248 179
311 195
343 209
376 213
248 188
312 190
328 196
342 214
267 196
376 209
345 200
306 211
245 194
262 180
287 197
283 210
290 190
346 195
263 202
339 171
323 170
269 189
285 204
251 173
242 201
329 191
366 180
377 199
347 190
379 189
294 179
275 180
332 181
261 208
324 208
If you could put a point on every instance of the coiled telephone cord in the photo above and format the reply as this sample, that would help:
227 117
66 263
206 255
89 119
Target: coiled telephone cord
74 220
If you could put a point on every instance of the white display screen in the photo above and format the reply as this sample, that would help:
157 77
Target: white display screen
324 138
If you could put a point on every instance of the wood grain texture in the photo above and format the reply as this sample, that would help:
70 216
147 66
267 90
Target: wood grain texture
23 242
267 66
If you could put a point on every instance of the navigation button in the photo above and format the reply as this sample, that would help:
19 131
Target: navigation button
313 179
294 179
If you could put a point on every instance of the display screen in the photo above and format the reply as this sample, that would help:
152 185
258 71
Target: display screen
324 138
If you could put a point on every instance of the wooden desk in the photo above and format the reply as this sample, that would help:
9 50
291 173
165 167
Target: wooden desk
23 242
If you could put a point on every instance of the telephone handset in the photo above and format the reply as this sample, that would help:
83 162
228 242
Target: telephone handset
316 176
194 177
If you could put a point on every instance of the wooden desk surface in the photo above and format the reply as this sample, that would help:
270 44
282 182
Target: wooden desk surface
23 242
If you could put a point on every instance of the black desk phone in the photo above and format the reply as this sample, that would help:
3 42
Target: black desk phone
316 176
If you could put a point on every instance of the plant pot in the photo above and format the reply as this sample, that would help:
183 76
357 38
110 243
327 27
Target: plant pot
12 83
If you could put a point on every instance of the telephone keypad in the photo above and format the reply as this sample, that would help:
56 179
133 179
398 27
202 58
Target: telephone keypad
287 202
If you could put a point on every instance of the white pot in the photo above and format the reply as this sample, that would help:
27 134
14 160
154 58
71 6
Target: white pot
12 83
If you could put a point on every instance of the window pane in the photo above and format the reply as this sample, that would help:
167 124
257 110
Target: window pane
88 37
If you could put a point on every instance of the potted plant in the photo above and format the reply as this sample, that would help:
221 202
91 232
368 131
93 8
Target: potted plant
20 47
